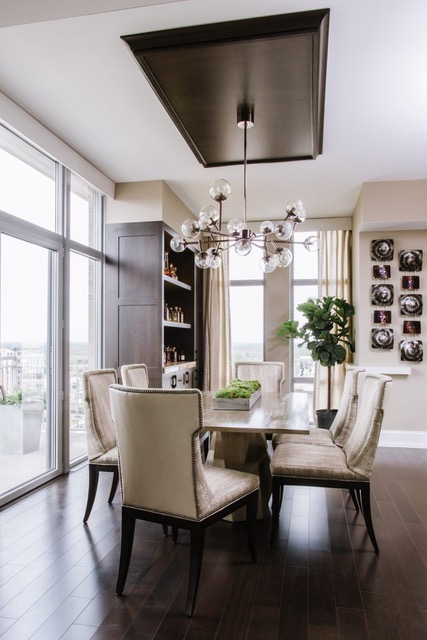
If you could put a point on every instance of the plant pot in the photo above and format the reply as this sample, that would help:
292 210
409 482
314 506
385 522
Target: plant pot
20 427
325 417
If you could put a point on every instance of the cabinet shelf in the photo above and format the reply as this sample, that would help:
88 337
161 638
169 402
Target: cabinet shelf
175 283
176 325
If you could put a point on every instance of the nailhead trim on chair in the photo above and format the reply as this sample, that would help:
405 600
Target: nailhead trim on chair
193 441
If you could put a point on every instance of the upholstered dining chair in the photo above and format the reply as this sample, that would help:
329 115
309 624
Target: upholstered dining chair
349 467
135 375
101 435
343 422
271 375
162 476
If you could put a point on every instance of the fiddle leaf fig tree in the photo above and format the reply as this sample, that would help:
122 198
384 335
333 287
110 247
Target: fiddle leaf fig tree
326 332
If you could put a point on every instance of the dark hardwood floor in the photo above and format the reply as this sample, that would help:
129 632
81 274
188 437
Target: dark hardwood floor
322 579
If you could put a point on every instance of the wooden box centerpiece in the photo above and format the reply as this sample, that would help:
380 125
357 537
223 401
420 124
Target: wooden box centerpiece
239 395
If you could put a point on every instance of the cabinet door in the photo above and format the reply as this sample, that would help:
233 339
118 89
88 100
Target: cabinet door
134 296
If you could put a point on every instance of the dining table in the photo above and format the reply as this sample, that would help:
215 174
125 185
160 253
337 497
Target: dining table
239 436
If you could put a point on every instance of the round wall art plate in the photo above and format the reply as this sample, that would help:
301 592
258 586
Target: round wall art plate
382 339
382 294
411 260
411 350
411 304
382 250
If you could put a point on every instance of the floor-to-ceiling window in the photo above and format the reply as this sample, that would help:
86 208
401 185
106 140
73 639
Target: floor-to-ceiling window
247 307
50 325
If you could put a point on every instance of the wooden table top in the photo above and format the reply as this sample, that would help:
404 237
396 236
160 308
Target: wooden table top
272 413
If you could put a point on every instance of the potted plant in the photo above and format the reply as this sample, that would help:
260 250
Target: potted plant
20 422
326 335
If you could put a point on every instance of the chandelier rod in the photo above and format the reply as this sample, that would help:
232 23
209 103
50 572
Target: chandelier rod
245 180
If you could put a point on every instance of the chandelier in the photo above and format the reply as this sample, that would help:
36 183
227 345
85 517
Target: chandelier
212 241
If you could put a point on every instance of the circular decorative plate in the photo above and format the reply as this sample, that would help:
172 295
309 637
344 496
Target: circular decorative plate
382 294
411 304
382 250
382 338
411 260
411 350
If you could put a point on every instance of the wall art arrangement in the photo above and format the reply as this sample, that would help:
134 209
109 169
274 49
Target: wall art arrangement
410 303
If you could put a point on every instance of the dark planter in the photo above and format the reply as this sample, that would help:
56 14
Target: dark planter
325 417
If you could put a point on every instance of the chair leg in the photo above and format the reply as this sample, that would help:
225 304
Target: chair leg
251 512
174 535
128 530
165 529
275 508
93 485
365 497
196 556
114 485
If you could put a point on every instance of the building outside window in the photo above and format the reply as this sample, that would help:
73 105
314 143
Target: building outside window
246 307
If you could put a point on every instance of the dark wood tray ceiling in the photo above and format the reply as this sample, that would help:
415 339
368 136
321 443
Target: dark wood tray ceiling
277 64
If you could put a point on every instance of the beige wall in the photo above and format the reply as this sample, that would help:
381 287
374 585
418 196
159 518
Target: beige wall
389 206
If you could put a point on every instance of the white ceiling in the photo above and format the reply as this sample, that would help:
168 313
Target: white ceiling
65 64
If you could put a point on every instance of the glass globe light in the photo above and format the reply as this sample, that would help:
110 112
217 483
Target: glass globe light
235 225
215 258
294 207
243 247
311 243
220 190
203 260
284 230
266 227
301 216
283 257
267 263
208 216
177 244
190 228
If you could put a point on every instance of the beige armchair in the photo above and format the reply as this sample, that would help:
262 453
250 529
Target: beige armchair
349 467
135 375
270 374
101 436
162 476
343 422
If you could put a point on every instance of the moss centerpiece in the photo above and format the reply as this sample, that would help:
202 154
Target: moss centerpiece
239 395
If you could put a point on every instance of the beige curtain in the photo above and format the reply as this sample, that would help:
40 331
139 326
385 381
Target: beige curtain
334 280
217 338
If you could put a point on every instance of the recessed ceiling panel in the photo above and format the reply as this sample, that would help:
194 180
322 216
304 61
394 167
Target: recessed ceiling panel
277 65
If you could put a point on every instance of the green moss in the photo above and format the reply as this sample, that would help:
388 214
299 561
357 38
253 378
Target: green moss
239 389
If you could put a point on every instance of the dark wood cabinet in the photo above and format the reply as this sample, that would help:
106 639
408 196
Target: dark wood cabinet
136 294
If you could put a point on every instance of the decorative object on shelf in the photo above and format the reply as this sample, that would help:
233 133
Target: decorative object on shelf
382 250
411 304
410 260
239 395
213 241
382 338
382 294
166 264
381 316
381 271
326 333
172 271
411 282
411 351
412 326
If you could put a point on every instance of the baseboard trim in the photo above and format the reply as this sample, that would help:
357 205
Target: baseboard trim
408 439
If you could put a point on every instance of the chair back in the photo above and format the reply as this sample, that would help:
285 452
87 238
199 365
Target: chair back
160 464
101 435
135 375
270 374
361 446
347 410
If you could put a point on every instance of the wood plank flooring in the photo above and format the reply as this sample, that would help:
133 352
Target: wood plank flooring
320 581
